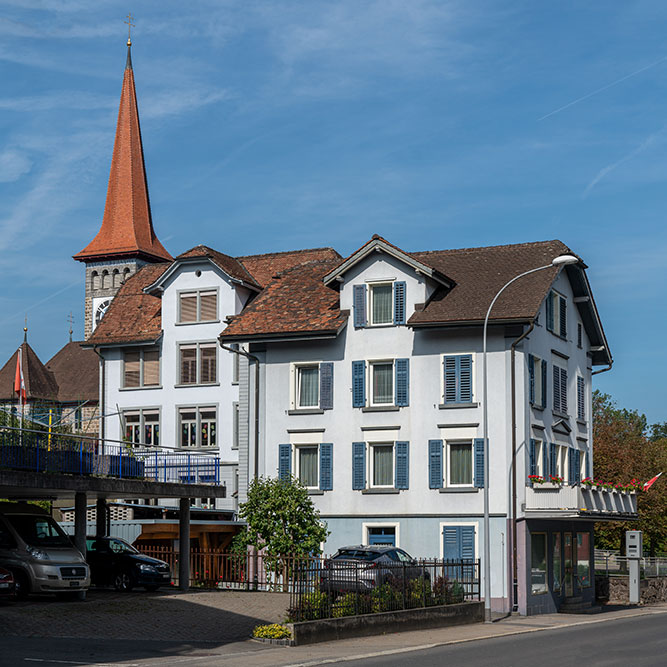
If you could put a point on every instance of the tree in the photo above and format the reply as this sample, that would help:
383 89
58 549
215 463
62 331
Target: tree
282 520
624 450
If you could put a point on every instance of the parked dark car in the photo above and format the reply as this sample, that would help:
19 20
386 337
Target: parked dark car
363 568
7 584
115 562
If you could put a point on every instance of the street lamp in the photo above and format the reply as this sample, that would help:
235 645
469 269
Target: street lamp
561 260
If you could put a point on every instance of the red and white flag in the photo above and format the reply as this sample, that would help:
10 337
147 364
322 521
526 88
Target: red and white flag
648 484
19 380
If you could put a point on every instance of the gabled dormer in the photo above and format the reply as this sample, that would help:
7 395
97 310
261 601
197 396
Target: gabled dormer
382 285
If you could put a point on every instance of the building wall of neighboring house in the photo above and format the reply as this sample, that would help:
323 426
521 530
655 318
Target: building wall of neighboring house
168 396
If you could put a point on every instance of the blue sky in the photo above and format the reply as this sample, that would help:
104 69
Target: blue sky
276 124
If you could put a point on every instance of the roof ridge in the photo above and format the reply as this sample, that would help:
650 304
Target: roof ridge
285 252
489 247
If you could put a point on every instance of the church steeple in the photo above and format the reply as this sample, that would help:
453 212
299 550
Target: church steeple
126 240
127 226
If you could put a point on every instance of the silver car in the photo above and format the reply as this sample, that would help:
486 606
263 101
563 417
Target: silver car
39 553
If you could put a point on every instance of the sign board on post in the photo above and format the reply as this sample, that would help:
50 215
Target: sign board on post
633 543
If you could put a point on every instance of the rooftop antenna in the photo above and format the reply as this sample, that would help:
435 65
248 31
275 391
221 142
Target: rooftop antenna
70 319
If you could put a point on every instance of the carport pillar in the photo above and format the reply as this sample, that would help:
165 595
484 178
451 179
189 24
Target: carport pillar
184 544
80 509
101 518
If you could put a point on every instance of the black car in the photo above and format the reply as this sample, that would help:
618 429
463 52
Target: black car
7 585
114 562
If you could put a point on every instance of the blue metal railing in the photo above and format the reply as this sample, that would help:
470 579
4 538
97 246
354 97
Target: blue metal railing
36 451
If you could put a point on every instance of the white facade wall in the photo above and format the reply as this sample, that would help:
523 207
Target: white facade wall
169 396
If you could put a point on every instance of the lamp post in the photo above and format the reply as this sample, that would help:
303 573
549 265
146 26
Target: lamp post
561 260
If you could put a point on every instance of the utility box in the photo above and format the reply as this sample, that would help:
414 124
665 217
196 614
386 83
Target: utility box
633 543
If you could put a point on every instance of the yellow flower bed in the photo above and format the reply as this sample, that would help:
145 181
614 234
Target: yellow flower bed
274 631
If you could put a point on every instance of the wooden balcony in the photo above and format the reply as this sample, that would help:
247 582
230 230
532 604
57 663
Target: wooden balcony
553 501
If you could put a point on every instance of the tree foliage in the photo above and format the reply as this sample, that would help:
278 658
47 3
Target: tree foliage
282 520
625 448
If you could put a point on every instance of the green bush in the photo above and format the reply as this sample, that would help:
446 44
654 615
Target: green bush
387 597
345 605
311 607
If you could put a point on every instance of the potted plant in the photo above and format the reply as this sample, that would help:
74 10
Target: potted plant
536 479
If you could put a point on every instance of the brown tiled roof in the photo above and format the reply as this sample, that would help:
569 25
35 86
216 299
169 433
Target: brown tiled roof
39 382
480 272
295 302
230 265
133 316
76 372
265 267
127 226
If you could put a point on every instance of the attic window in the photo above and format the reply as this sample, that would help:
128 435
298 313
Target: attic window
198 306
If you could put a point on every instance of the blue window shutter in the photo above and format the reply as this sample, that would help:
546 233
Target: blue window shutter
467 542
326 386
553 467
358 384
531 458
450 371
284 461
545 461
544 383
572 466
479 462
556 387
465 378
550 311
358 465
326 466
581 397
434 464
402 468
577 466
399 302
402 384
451 538
359 304
563 391
531 376
562 311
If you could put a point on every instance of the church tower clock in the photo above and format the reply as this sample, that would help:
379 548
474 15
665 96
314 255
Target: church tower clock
126 240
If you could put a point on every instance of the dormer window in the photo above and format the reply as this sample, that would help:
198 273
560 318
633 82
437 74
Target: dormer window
198 306
378 304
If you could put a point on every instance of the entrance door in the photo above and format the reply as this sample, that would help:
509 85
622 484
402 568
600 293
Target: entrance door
569 564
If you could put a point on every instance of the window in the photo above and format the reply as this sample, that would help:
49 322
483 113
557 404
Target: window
581 398
198 306
557 314
538 563
557 560
382 464
537 458
198 363
558 461
459 464
197 427
312 464
385 535
312 386
388 380
537 372
560 390
235 425
236 360
457 378
580 335
458 543
141 368
78 419
379 304
142 427
583 560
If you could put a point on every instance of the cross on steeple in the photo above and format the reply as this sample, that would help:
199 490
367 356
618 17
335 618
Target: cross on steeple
25 330
130 25
70 319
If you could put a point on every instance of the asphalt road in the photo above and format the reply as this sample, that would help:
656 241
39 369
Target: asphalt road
634 642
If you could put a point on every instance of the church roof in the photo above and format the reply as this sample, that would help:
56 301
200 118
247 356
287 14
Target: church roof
127 226
76 371
40 384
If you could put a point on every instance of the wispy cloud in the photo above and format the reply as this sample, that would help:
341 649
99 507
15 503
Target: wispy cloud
13 165
79 100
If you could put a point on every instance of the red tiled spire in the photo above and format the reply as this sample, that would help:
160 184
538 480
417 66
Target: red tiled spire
127 228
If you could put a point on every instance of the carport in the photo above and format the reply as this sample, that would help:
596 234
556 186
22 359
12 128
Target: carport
22 485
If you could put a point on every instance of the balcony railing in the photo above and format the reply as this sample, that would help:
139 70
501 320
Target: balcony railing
549 500
38 451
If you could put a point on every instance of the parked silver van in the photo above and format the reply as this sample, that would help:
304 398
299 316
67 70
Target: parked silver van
39 553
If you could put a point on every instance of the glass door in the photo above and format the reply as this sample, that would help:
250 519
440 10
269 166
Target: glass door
569 564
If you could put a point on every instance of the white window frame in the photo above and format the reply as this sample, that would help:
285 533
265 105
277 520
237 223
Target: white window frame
198 345
447 467
537 382
296 463
370 465
197 292
197 409
370 384
538 453
295 386
142 424
381 524
562 462
141 384
371 286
